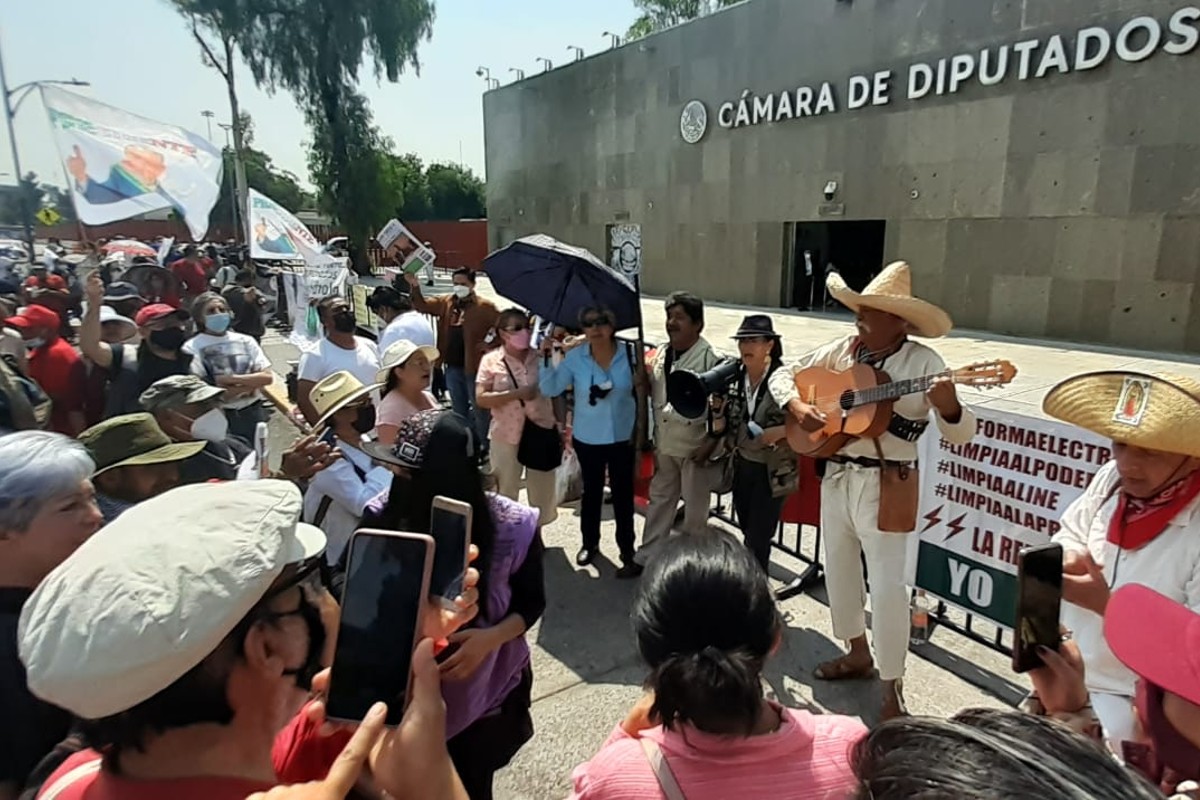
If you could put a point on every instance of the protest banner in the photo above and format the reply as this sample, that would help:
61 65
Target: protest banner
303 288
276 234
402 244
121 165
983 501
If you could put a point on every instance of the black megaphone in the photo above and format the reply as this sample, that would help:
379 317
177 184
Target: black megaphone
688 392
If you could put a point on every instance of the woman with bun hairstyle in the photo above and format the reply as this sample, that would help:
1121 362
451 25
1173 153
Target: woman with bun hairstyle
705 621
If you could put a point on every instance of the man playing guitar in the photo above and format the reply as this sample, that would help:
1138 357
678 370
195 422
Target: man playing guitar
868 480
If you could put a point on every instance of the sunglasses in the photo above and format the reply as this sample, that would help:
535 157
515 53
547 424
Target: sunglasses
596 322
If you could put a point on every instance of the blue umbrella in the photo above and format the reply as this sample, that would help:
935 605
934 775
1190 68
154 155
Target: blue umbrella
556 281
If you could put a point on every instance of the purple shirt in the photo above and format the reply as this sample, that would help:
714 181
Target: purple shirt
482 693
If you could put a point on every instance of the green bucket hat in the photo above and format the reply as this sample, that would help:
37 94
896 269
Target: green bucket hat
133 439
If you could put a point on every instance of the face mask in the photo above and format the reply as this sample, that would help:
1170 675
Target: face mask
1171 747
365 422
211 426
217 323
305 673
34 344
168 339
518 340
462 292
344 322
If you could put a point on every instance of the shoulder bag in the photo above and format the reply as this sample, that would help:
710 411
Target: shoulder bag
540 448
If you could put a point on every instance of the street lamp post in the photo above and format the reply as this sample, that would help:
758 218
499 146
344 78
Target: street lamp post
549 64
578 51
208 116
235 212
10 111
615 38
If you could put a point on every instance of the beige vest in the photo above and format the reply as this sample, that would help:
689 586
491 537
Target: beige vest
676 435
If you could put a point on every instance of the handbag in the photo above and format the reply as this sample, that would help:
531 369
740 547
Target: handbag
540 448
899 495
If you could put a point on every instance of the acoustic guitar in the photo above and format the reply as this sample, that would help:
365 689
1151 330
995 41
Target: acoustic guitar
857 402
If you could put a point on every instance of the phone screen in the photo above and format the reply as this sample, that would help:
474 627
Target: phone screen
386 583
1039 601
449 525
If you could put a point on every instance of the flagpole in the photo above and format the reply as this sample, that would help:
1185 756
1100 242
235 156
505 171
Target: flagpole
26 212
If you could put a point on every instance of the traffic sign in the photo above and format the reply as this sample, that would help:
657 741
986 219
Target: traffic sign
48 216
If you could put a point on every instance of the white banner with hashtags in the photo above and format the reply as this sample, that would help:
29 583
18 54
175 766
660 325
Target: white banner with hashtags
983 501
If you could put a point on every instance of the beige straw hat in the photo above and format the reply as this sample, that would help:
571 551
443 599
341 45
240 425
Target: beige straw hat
891 291
333 393
1158 412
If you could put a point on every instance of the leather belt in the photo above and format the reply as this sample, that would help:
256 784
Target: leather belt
870 463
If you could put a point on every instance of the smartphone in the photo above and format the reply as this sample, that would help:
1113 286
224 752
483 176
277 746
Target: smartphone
450 528
387 583
1039 601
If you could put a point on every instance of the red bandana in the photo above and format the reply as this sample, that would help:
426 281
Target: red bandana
1138 522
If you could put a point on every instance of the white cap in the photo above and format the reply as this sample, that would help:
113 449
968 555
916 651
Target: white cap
153 593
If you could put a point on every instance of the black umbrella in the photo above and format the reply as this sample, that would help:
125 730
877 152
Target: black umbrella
557 281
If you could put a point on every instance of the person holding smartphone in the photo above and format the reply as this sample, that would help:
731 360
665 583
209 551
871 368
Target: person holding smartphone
1137 522
193 655
487 676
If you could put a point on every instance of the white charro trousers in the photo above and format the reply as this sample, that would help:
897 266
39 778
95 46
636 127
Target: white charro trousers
849 527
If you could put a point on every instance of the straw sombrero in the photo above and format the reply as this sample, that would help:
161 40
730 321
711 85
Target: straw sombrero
891 291
1158 412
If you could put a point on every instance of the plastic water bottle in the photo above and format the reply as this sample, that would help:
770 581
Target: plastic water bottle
921 611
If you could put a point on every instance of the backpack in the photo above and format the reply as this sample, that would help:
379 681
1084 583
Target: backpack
23 404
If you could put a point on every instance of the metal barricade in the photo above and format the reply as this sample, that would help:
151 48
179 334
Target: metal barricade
802 542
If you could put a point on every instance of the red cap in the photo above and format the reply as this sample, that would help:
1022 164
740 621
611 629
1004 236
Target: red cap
1155 637
148 314
34 316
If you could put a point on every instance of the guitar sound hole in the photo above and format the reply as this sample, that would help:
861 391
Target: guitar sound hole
846 401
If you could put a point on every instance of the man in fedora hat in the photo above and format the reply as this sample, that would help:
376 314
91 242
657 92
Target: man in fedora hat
1138 522
135 460
855 488
338 495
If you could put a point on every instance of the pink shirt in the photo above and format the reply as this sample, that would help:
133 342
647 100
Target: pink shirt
808 758
508 420
394 409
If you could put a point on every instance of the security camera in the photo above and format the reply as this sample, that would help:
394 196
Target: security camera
831 190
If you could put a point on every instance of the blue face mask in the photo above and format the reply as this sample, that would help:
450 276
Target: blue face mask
217 323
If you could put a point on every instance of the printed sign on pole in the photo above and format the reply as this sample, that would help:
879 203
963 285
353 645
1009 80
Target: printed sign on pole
276 234
983 501
398 241
121 165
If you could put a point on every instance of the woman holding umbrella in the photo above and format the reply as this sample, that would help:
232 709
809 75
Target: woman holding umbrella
604 375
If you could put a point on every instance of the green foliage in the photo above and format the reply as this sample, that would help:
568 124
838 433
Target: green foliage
455 192
659 15
261 174
25 199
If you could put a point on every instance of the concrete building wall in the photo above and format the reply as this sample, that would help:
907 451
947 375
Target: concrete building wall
1066 205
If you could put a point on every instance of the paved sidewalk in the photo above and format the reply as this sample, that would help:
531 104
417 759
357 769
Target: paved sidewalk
586 670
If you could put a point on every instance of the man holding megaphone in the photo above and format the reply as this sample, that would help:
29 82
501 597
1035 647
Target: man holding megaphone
682 445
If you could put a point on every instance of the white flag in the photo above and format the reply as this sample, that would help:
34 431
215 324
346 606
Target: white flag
121 165
276 234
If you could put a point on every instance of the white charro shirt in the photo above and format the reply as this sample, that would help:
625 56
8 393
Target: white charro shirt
912 360
1169 564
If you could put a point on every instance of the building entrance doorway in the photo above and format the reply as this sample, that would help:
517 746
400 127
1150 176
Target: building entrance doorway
853 248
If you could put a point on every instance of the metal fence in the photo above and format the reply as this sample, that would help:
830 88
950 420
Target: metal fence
803 543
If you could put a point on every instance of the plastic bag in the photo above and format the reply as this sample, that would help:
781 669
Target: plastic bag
568 478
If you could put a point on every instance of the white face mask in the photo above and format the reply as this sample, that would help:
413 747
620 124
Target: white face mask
211 426
462 292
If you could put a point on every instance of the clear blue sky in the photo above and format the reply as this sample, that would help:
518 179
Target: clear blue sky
139 56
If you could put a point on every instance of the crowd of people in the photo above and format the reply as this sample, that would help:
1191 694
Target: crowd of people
169 600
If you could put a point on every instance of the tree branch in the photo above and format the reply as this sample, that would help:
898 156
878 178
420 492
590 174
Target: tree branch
221 68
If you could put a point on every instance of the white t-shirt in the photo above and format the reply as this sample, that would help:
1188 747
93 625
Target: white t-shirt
362 362
411 325
232 354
